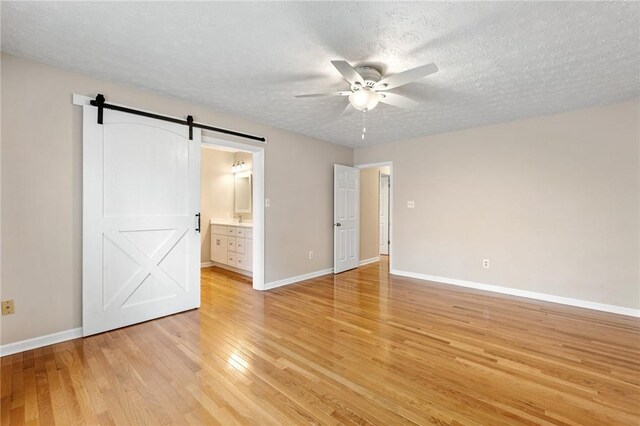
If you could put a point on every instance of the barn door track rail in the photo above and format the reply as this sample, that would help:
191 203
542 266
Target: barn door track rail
101 104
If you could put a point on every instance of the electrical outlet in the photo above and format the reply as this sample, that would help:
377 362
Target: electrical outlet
8 308
311 254
485 263
267 203
411 204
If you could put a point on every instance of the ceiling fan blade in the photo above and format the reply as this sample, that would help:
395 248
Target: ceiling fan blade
397 100
348 110
405 77
319 95
348 72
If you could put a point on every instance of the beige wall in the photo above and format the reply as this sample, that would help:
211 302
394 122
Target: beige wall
41 175
552 202
370 211
216 193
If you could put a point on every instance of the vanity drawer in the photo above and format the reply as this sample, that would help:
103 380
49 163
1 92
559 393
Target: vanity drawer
241 261
219 230
248 233
231 243
240 245
240 232
231 230
231 259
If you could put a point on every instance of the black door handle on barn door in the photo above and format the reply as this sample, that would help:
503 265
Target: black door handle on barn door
198 216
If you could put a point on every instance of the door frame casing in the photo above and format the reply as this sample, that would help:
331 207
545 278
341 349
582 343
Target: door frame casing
392 180
380 179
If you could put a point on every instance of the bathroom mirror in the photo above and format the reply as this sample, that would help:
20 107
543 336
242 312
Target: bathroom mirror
242 192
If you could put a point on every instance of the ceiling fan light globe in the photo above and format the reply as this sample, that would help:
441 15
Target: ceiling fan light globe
364 100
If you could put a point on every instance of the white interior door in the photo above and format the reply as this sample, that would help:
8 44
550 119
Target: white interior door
384 214
141 194
346 218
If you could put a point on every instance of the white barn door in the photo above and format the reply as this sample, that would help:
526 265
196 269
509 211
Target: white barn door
141 194
346 218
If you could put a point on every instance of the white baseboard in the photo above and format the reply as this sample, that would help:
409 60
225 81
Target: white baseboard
523 293
368 261
291 280
206 264
38 342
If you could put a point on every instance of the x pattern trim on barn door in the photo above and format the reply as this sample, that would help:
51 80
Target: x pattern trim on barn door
149 266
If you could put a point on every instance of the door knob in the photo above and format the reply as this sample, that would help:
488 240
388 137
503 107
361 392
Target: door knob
338 224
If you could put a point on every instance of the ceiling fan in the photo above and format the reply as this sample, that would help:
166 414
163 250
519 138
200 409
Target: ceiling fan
369 87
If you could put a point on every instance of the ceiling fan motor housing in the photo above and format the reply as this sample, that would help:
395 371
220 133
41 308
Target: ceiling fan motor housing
370 75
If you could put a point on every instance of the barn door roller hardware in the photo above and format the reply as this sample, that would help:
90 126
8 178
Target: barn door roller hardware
100 103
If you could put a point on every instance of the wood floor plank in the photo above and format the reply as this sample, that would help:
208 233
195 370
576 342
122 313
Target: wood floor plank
362 347
5 390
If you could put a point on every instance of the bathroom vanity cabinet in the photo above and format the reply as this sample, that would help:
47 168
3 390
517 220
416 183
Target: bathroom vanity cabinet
232 245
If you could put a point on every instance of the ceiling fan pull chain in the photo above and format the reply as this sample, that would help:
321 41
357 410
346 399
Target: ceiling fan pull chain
364 122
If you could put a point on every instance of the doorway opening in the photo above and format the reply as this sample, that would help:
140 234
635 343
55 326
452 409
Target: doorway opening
375 212
232 211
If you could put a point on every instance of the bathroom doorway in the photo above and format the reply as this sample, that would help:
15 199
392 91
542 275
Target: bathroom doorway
232 208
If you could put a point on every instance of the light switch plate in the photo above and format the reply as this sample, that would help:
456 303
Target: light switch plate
267 203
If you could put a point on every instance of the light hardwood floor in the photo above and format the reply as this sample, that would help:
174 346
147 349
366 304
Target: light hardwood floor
361 347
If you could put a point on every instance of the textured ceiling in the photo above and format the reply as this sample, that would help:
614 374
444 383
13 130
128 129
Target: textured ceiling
498 60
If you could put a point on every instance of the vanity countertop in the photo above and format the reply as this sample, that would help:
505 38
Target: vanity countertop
231 223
